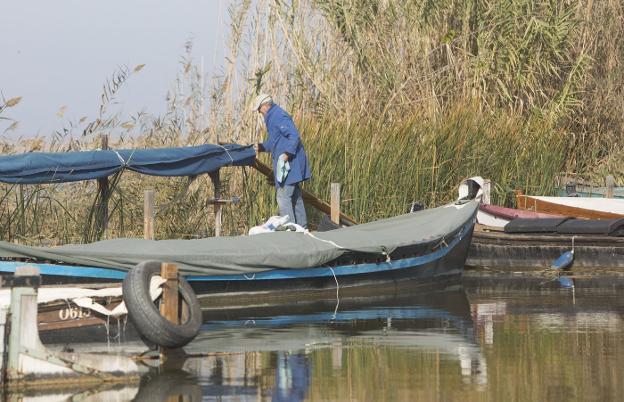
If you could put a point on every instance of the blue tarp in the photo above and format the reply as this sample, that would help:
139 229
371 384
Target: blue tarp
47 167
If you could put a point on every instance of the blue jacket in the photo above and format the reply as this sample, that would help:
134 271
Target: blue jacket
284 138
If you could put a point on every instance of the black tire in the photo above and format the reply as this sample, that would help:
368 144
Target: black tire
146 316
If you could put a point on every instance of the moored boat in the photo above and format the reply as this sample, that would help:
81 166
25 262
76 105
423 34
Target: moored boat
429 245
579 207
497 216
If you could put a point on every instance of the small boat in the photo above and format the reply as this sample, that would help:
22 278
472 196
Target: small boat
429 245
537 251
532 238
282 267
579 207
497 216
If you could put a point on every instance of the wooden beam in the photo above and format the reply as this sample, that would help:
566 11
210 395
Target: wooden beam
148 215
308 197
335 203
103 189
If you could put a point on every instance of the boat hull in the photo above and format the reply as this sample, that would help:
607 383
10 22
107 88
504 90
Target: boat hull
518 251
434 273
578 207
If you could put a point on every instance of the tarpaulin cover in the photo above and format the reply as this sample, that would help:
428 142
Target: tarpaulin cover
48 167
242 254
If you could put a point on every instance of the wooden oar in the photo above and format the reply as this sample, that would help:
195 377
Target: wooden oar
307 196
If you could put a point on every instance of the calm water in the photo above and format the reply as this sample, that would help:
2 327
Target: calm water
499 338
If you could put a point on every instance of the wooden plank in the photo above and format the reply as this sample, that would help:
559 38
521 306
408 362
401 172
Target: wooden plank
532 204
169 304
216 182
308 197
148 215
335 203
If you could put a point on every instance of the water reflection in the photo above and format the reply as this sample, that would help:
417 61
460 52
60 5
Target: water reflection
315 352
503 337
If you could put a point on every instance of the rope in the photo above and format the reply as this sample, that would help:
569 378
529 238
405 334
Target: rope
326 241
337 293
227 152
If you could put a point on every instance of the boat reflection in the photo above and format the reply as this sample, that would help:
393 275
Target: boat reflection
262 354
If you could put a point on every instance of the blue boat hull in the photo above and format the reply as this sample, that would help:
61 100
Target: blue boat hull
422 265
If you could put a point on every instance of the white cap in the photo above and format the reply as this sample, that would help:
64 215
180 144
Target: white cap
261 100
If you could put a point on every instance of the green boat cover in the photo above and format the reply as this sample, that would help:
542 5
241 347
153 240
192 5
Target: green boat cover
247 254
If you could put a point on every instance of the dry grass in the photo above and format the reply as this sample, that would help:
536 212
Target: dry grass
396 100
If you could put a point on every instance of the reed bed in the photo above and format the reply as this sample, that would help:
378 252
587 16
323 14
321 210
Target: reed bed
398 101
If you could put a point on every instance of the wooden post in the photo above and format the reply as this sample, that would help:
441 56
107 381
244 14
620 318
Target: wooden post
102 211
487 186
610 182
148 215
335 203
216 182
169 305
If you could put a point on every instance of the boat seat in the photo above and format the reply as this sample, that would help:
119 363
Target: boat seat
607 227
535 225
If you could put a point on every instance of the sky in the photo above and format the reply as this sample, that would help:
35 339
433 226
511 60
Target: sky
59 53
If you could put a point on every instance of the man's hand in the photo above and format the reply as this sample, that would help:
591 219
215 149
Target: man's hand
284 157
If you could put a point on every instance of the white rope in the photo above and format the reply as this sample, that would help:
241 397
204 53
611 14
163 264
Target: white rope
337 293
121 159
253 276
326 241
227 152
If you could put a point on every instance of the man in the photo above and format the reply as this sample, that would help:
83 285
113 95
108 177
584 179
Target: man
284 144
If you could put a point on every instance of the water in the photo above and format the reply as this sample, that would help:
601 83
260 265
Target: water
499 338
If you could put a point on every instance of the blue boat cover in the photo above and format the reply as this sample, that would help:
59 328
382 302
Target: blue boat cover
48 167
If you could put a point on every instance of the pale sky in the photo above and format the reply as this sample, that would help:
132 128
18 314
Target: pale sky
60 52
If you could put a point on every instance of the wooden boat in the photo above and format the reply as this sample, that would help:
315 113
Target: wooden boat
497 216
430 246
552 232
536 251
579 207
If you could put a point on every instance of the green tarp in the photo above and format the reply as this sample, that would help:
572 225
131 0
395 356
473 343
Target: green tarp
242 254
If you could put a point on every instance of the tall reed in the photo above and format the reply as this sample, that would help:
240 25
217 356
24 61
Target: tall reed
396 100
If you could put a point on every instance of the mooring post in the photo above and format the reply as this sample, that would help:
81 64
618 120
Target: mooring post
216 182
29 362
102 216
335 203
23 333
487 188
169 306
148 215
610 182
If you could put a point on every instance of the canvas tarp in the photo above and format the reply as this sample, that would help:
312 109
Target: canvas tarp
246 254
61 167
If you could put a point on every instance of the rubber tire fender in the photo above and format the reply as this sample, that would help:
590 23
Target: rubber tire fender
146 316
